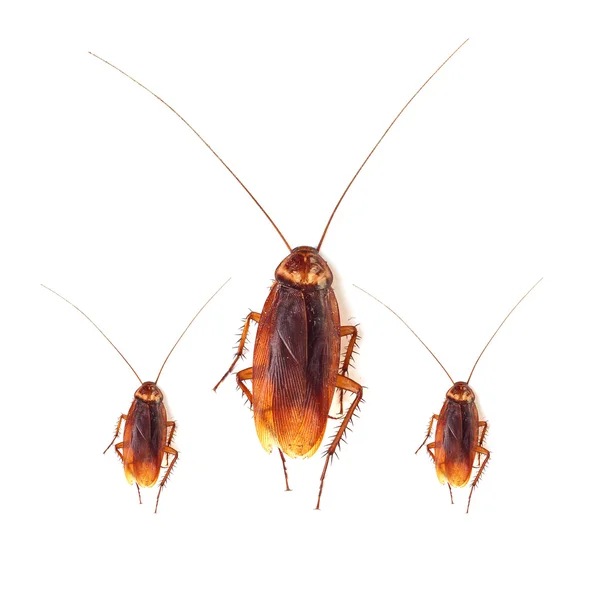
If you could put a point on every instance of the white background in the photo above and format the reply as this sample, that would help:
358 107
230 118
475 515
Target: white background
487 182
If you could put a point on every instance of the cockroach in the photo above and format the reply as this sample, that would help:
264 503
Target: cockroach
297 352
148 433
459 434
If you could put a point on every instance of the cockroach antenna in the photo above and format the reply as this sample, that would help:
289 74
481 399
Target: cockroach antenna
203 141
381 139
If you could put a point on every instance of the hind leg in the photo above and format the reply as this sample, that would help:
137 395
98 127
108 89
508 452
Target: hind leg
350 386
486 452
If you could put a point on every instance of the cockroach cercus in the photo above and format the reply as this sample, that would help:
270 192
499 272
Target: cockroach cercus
459 434
296 364
148 433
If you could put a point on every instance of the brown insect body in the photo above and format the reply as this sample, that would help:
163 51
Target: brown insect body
296 356
459 434
145 436
456 442
296 363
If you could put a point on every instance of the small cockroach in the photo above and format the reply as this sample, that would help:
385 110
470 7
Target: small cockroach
148 433
459 434
297 352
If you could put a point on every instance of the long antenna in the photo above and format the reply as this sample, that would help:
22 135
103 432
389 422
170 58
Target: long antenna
190 324
497 330
381 139
203 141
96 326
409 328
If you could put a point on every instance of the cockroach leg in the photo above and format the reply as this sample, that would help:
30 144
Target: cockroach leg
287 487
172 425
430 449
434 417
253 316
117 431
450 490
119 450
168 450
139 493
483 425
245 375
353 332
479 450
350 386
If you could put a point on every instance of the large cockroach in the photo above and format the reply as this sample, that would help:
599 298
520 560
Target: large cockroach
459 434
296 364
148 433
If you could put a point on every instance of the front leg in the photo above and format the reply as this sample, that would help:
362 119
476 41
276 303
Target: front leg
253 316
353 333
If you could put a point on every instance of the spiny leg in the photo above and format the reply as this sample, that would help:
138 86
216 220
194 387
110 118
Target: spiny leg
484 425
117 431
168 450
350 386
479 450
434 417
353 332
430 449
253 316
139 493
119 450
172 425
241 376
287 487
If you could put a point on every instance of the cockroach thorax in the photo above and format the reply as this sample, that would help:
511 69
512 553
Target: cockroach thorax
304 268
148 392
460 392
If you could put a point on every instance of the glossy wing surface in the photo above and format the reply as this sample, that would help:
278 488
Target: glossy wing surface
455 442
296 359
144 442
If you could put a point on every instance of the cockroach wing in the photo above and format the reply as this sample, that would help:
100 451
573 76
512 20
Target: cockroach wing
144 441
455 442
296 360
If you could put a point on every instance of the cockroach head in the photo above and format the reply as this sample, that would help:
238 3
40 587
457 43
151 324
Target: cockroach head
148 392
304 268
460 392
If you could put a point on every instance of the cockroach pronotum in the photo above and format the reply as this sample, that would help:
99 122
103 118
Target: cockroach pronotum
296 364
459 434
148 433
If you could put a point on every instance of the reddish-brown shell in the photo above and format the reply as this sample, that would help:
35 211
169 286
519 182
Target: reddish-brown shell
456 436
296 356
145 436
